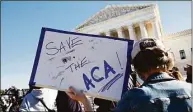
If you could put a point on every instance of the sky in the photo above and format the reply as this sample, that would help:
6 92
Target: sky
21 23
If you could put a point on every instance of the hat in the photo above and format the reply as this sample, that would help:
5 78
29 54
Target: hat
137 45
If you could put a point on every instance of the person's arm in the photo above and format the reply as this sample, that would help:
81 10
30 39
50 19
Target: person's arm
24 106
80 96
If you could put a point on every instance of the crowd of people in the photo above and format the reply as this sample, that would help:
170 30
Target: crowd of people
10 99
163 88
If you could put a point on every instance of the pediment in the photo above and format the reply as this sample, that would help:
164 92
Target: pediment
111 11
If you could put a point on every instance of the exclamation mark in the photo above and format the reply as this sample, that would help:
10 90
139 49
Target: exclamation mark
119 60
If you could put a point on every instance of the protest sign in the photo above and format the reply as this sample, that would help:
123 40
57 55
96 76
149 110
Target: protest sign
99 65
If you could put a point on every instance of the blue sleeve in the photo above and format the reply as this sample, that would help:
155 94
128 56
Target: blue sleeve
24 106
130 101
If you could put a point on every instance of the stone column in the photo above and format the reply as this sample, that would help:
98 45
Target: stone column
155 29
143 30
120 33
132 35
108 33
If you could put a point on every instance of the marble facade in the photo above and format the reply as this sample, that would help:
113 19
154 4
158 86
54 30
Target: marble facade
135 22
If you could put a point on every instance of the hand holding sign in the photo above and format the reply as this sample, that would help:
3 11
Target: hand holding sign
98 65
79 96
76 94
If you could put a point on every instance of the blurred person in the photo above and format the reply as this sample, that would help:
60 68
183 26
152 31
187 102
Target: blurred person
34 101
160 92
48 100
10 100
188 69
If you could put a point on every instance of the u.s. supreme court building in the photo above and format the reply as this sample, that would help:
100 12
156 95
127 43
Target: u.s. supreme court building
135 22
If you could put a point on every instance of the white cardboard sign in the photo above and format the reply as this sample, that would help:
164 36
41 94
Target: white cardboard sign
96 64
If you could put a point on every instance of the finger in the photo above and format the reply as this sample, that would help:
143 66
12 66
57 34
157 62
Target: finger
70 94
73 93
72 89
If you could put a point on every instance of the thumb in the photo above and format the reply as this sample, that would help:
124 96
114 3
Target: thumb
74 90
70 94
